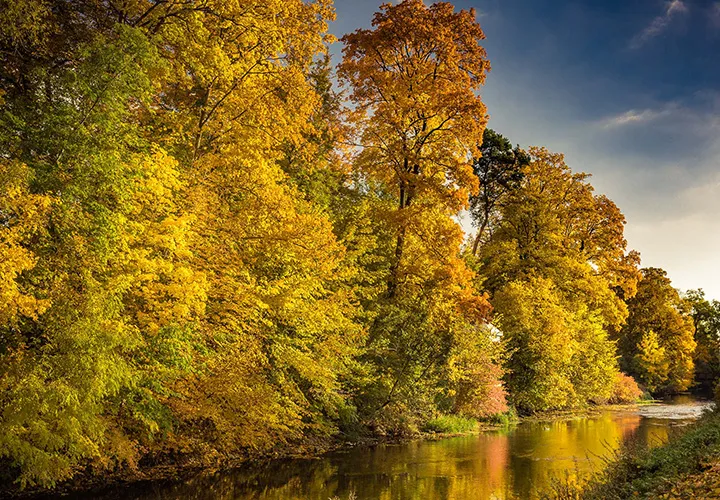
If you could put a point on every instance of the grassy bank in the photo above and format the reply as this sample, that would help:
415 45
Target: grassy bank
687 467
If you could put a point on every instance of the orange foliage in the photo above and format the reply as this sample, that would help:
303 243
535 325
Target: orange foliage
625 389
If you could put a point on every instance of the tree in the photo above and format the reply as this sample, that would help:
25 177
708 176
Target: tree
499 170
706 317
659 321
166 274
651 362
413 79
554 264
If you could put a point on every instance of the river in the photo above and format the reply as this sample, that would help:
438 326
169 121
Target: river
510 463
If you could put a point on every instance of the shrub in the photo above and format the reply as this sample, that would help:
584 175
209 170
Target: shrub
505 418
625 389
481 394
449 424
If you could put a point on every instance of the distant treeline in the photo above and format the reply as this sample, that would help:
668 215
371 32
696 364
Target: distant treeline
208 250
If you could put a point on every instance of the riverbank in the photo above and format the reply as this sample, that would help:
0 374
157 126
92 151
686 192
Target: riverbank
88 482
686 467
184 468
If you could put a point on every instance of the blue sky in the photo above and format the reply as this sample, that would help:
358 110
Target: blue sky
630 92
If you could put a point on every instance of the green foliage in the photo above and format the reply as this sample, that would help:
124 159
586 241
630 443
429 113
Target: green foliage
706 318
450 424
650 473
506 418
499 170
657 343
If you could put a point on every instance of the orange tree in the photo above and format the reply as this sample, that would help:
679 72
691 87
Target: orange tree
417 118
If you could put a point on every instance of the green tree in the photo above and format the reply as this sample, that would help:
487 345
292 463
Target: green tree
706 317
658 308
499 170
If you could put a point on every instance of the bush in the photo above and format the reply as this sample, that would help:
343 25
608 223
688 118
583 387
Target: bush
505 418
625 390
450 424
481 394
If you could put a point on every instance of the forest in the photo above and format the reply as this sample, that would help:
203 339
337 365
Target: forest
216 243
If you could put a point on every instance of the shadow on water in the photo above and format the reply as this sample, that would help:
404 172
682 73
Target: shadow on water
510 463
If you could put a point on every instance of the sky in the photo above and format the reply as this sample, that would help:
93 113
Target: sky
629 90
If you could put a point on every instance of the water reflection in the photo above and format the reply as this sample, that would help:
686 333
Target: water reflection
511 463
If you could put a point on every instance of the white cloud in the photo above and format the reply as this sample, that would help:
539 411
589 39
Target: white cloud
659 24
701 117
633 117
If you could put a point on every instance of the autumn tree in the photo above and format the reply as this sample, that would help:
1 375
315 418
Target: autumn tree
657 343
71 124
553 264
166 273
413 81
706 318
241 98
650 363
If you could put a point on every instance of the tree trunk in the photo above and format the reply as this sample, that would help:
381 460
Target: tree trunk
476 243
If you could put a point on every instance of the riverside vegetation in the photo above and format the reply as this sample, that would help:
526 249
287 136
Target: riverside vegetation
211 253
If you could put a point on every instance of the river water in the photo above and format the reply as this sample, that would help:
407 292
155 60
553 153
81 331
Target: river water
504 464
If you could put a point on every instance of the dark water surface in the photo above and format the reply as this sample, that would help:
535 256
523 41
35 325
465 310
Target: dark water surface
510 463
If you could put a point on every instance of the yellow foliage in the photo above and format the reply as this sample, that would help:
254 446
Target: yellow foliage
22 215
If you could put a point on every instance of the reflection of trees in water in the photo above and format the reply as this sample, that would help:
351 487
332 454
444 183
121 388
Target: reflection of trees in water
547 451
515 463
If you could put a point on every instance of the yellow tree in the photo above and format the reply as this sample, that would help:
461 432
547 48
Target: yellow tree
189 285
556 239
657 343
650 362
413 80
237 102
22 215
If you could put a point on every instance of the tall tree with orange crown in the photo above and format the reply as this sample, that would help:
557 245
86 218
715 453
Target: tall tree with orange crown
414 80
417 119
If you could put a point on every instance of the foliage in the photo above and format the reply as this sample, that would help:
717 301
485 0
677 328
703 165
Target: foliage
206 255
413 79
475 377
450 424
506 418
143 196
706 318
651 362
499 170
555 262
625 390
657 343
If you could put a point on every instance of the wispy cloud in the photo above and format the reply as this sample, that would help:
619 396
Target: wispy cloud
698 115
659 24
634 117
